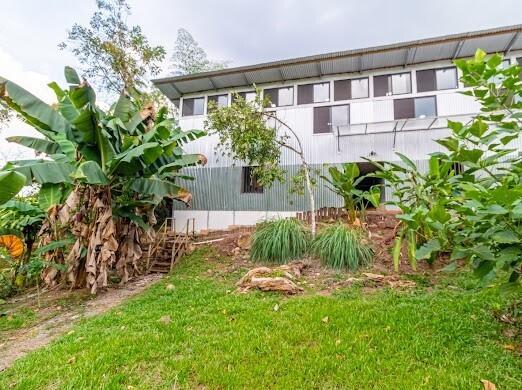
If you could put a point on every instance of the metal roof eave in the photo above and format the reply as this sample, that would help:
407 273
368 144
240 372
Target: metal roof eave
449 47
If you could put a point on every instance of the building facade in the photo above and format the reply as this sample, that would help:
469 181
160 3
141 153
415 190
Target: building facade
345 107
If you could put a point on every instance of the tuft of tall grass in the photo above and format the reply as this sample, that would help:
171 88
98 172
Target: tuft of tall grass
341 247
279 240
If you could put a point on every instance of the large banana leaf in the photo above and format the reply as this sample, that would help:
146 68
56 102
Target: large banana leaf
50 195
134 159
91 173
10 184
44 171
38 144
37 112
183 161
22 207
160 188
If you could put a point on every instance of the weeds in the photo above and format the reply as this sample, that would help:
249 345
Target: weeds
341 247
279 240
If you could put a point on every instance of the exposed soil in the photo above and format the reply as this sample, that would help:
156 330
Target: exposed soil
59 311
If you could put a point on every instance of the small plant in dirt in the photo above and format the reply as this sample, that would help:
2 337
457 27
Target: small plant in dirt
344 183
339 246
279 240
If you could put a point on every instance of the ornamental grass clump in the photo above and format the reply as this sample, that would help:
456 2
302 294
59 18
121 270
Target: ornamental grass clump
279 241
341 247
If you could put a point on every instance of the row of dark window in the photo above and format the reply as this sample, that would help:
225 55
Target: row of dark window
350 89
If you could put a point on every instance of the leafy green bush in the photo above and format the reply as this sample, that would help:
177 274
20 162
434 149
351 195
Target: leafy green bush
341 247
279 240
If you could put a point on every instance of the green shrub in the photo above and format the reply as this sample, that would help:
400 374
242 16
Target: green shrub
341 247
279 240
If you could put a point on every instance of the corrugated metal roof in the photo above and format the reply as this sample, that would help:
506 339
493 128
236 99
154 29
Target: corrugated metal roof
499 40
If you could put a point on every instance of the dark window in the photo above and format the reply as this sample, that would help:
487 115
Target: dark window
457 168
327 118
423 107
392 84
426 80
249 182
248 96
193 106
436 79
313 93
342 90
403 108
351 89
380 86
219 101
280 97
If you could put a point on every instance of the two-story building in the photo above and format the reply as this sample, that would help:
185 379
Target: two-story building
345 106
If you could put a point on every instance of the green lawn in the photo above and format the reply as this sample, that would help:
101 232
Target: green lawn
442 338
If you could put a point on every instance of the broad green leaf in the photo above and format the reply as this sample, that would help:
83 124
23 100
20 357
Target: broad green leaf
160 188
71 76
351 170
426 250
38 144
21 207
37 112
506 237
49 195
134 218
407 161
10 184
45 171
123 108
184 161
91 173
66 146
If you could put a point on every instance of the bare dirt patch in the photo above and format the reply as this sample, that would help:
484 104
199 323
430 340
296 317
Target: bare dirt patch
59 311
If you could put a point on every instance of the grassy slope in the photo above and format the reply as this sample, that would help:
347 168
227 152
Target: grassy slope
445 338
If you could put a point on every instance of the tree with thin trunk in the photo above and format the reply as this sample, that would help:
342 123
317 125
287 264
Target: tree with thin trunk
116 57
250 131
189 57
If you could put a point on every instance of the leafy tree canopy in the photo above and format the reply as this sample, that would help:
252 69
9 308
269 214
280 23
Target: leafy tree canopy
114 55
189 57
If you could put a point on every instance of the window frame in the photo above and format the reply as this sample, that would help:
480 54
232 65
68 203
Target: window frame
348 83
413 99
278 89
249 181
329 123
389 88
312 86
243 94
435 79
212 98
193 99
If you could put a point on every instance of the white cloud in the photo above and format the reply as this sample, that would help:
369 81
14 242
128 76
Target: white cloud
34 82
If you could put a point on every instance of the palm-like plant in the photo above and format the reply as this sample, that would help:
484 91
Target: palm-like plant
104 172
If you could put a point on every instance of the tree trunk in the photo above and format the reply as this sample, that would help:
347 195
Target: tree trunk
306 170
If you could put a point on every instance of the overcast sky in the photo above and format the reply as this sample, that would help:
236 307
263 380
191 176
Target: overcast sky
242 31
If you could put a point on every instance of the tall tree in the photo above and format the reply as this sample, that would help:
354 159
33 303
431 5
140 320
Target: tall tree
189 57
248 132
114 55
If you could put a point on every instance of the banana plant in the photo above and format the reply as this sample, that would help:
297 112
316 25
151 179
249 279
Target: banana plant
103 173
20 221
344 183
